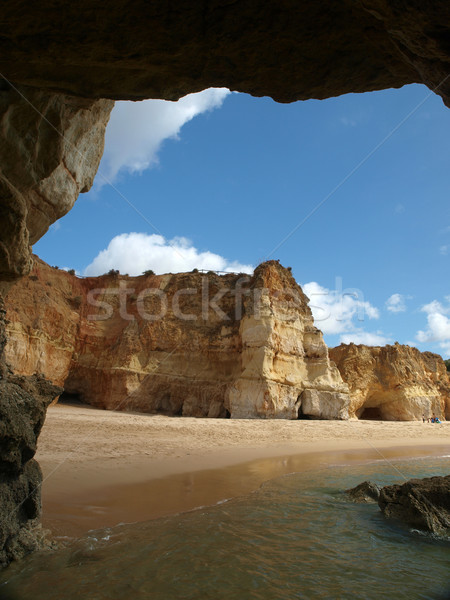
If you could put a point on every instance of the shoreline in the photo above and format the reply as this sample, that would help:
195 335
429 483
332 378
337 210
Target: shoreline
102 468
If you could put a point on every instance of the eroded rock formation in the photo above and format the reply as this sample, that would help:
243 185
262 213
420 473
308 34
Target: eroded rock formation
419 503
50 150
192 344
393 383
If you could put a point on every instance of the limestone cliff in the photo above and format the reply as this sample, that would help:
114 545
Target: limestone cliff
393 383
191 344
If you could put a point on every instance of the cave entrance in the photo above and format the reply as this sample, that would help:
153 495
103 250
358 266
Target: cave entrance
73 399
371 413
301 415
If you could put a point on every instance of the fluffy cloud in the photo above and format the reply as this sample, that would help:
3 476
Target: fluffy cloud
438 325
136 130
396 303
335 311
134 253
365 337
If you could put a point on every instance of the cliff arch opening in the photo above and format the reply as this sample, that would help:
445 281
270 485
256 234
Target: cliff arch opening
72 399
301 415
371 413
377 407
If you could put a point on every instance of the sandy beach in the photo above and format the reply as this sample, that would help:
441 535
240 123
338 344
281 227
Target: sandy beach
102 468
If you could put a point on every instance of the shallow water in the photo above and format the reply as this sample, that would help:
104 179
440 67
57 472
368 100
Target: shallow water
298 536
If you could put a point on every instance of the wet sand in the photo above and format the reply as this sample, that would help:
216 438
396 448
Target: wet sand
102 468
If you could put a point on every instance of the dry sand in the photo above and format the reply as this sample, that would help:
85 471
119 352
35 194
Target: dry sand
102 468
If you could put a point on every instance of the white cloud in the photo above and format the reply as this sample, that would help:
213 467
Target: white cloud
438 325
136 130
334 311
444 250
134 253
396 303
399 208
365 337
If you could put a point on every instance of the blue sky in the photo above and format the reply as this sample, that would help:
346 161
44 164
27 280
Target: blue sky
225 181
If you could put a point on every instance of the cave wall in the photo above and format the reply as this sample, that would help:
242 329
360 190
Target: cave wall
23 404
288 50
51 146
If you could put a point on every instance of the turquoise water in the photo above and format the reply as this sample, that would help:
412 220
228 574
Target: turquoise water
298 536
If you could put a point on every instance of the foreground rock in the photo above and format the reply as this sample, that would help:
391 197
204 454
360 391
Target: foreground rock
419 503
192 344
393 383
23 404
364 492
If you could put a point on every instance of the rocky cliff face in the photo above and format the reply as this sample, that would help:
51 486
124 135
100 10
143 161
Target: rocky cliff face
393 383
191 344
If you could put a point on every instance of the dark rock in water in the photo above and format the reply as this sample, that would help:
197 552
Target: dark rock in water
364 492
420 503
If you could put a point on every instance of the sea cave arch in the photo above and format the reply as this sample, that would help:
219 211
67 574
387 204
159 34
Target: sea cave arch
371 413
382 406
62 65
71 399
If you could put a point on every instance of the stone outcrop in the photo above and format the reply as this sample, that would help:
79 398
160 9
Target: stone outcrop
23 404
289 51
365 492
50 150
419 503
191 344
393 383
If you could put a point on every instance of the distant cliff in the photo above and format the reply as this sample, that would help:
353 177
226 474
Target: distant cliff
193 344
393 383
